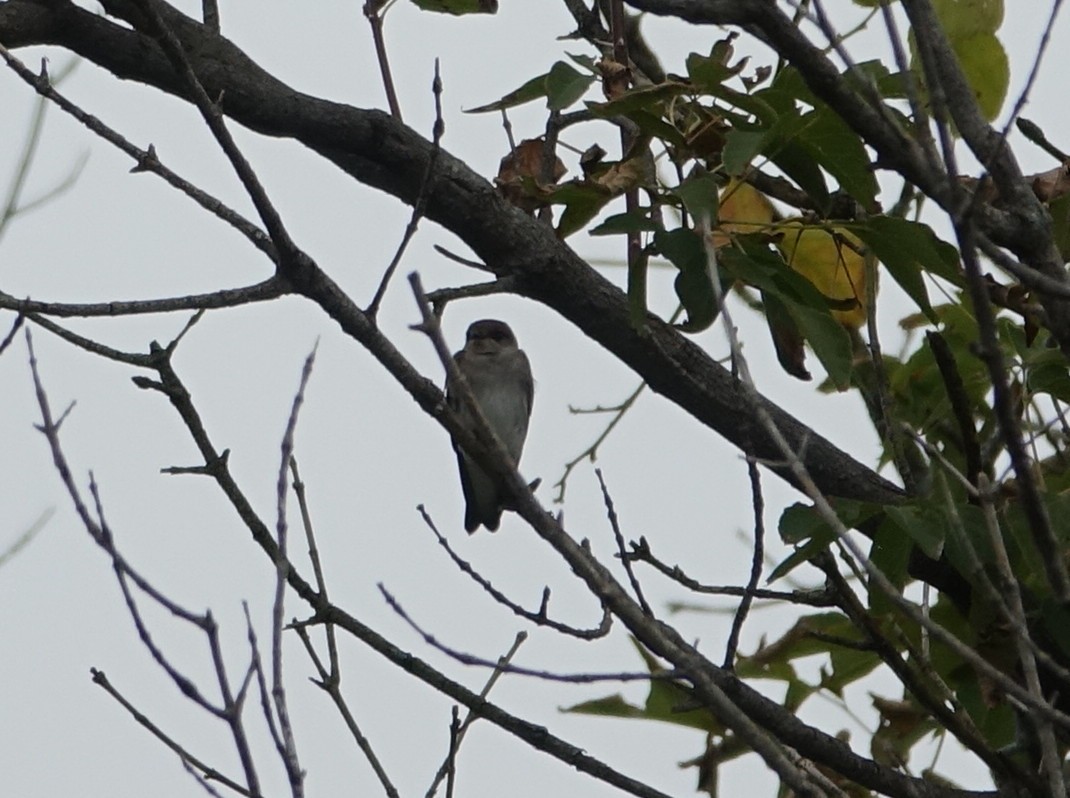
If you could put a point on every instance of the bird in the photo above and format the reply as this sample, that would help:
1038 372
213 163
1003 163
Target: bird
499 374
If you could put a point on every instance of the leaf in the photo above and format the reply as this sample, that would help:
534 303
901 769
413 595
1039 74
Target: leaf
798 164
800 522
840 151
640 98
788 341
666 701
693 284
582 200
532 90
458 7
742 209
964 18
564 86
831 261
819 542
907 247
984 62
808 307
740 148
699 194
635 222
926 530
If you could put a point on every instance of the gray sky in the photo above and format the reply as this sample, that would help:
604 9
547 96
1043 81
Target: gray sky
366 452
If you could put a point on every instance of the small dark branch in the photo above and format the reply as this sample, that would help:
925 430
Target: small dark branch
443 296
288 750
146 159
201 780
330 683
317 566
210 14
256 668
1010 430
209 773
15 327
810 598
780 188
508 127
272 288
591 452
1030 278
233 706
551 676
1031 130
614 522
427 186
451 757
540 617
843 642
471 717
373 12
960 404
209 109
472 264
130 358
757 558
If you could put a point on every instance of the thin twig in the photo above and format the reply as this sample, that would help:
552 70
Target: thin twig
373 12
427 186
614 522
185 756
540 617
469 659
757 558
471 716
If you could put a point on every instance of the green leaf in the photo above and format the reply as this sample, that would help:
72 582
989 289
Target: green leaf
622 223
458 7
890 553
640 98
800 522
828 339
964 18
819 542
740 148
925 529
532 90
808 307
798 164
907 247
564 86
699 193
693 284
985 64
582 203
666 701
840 151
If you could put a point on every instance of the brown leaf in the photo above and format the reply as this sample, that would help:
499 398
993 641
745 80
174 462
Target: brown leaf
616 78
521 176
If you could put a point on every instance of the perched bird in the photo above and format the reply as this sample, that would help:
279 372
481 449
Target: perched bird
499 375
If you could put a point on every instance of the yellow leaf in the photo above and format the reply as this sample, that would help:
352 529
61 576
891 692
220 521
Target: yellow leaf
743 209
831 259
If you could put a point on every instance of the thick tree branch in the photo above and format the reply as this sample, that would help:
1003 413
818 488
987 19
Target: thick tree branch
381 152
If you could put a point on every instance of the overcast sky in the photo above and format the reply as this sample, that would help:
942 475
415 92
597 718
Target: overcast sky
366 452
